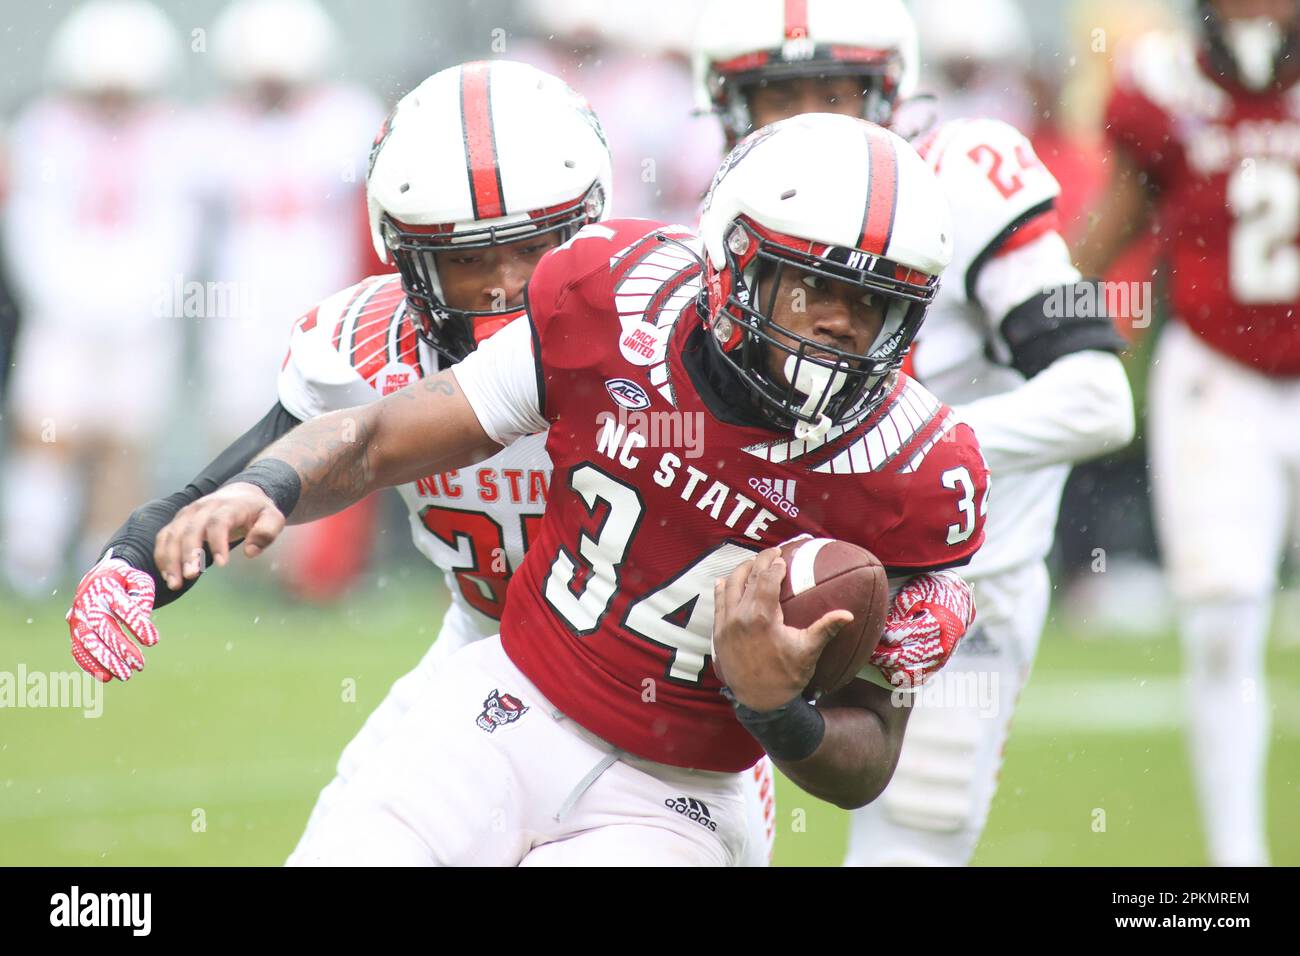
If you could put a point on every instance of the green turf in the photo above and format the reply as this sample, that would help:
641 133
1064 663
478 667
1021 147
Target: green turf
215 754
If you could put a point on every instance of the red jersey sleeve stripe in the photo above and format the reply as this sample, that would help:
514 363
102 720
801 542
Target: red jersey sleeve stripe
882 194
480 141
1045 222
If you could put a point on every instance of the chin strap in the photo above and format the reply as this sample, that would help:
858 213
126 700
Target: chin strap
805 432
817 383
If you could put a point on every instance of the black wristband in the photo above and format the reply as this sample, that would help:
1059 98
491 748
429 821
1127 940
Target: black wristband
791 732
277 478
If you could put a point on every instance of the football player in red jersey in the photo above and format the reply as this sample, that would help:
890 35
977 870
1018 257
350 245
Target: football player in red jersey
464 202
605 734
1205 137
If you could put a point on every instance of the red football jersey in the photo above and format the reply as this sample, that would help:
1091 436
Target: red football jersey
1226 164
653 497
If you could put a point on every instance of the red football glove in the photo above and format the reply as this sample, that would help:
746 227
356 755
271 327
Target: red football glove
112 596
927 619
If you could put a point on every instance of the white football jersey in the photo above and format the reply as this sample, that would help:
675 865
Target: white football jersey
994 184
474 524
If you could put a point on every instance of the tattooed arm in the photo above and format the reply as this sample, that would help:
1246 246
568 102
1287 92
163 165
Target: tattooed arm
337 459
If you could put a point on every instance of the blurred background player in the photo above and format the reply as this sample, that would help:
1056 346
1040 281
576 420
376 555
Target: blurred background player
100 222
1041 393
1204 134
284 156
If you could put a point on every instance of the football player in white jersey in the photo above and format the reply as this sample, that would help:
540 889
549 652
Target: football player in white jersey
1042 388
475 175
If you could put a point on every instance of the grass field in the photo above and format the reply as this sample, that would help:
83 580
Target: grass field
216 753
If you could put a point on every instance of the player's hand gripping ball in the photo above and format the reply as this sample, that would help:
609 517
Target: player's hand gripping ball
823 575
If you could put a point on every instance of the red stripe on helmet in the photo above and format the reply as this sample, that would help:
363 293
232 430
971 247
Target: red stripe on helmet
434 229
859 54
743 63
480 141
882 193
796 19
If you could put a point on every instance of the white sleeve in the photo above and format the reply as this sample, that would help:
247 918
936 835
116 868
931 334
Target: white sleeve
1015 277
1078 407
499 379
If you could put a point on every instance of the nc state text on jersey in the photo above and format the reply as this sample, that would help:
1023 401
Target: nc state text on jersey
516 485
619 443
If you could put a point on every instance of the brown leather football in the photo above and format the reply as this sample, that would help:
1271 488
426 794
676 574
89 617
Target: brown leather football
823 575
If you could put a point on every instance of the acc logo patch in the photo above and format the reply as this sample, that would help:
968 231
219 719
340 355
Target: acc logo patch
627 393
500 709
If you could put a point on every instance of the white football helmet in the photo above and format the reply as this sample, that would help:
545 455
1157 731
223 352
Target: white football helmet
280 41
123 46
835 197
739 43
478 155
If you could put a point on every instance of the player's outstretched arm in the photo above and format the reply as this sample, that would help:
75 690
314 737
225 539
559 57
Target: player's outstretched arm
117 597
322 467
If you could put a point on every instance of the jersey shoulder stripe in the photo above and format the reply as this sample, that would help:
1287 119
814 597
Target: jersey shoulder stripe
341 350
892 432
375 328
892 436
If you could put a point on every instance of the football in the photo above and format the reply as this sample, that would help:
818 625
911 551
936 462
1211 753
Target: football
823 575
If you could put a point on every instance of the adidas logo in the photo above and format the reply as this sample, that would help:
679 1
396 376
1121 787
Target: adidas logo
780 493
692 809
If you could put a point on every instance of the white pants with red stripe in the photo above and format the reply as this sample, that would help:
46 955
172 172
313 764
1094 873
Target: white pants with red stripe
424 783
